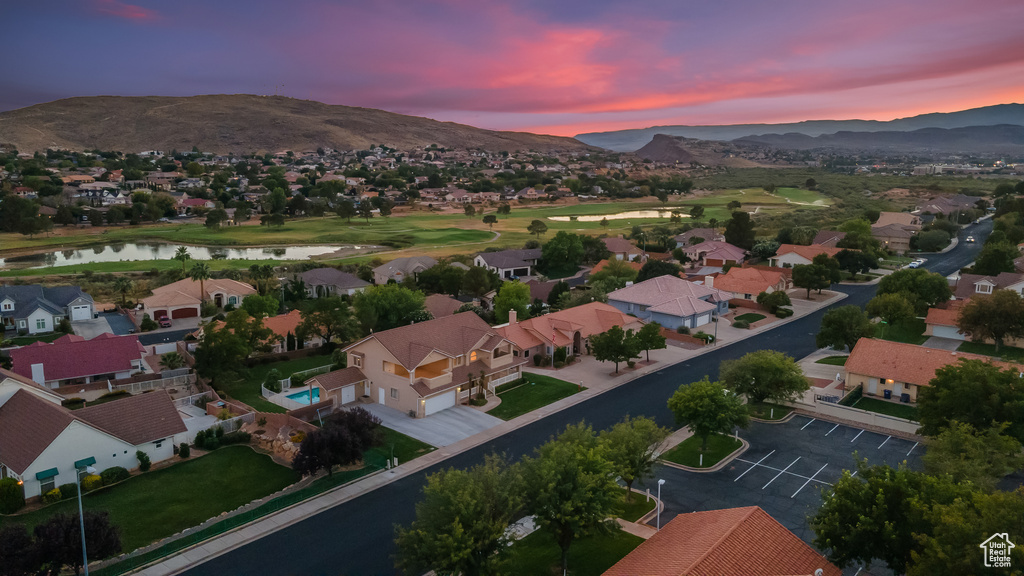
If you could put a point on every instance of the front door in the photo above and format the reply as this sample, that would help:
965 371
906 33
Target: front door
873 386
897 390
380 395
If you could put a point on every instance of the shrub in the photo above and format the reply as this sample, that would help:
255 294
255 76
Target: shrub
148 323
224 414
12 496
477 401
207 309
73 403
116 394
65 326
536 359
92 482
784 312
200 438
229 307
236 437
298 437
261 422
741 324
69 490
560 354
114 475
683 330
144 462
273 380
211 443
559 364
52 496
219 431
184 451
707 338
630 363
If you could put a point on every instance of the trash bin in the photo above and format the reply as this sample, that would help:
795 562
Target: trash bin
887 394
905 398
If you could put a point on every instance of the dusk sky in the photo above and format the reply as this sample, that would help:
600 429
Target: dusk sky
555 66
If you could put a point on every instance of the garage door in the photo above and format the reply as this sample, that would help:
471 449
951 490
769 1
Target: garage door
439 402
703 319
80 313
947 332
184 313
348 394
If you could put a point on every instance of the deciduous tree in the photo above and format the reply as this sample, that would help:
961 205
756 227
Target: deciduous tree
615 345
973 392
59 540
998 316
764 375
537 228
490 220
922 288
343 440
328 318
654 268
387 306
631 446
841 328
649 338
708 408
891 308
981 457
512 295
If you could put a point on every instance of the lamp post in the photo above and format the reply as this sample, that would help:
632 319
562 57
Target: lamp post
660 482
81 516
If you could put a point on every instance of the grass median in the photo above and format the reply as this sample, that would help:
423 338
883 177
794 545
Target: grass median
687 452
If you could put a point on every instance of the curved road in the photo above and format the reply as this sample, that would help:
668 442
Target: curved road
355 538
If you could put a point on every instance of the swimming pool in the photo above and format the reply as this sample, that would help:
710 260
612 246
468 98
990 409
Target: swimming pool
303 397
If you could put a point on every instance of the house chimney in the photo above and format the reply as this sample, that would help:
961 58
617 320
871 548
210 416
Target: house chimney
709 281
512 317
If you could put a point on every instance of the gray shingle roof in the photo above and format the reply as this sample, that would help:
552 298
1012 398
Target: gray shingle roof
332 277
53 299
511 258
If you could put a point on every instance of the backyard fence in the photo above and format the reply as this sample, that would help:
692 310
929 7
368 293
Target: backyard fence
192 400
232 424
137 387
302 375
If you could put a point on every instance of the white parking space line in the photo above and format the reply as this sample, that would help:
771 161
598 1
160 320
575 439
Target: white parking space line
774 469
912 448
755 464
857 436
832 430
782 472
808 481
887 438
808 423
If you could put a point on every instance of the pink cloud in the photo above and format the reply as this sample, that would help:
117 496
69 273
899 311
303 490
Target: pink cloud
124 10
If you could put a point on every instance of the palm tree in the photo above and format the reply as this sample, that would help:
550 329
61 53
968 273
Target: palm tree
200 271
260 275
172 361
182 256
123 284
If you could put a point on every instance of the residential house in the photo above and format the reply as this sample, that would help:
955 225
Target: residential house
948 204
715 253
570 328
187 205
747 283
35 309
601 265
671 302
622 249
698 235
183 299
426 367
285 325
161 180
72 360
343 386
509 263
899 218
941 320
976 284
42 443
324 282
789 255
24 192
77 179
828 238
731 542
401 268
894 237
897 371
441 305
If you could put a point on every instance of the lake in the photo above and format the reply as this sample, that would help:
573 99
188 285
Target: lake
162 251
620 216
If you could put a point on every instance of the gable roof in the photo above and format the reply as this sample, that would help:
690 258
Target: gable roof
731 542
716 249
452 336
405 265
588 319
441 305
27 426
828 237
892 231
807 252
332 277
965 286
282 324
655 291
747 280
905 362
72 356
511 258
900 218
600 265
946 316
136 419
338 378
620 246
53 299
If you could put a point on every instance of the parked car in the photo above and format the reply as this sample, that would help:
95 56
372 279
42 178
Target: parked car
164 322
914 264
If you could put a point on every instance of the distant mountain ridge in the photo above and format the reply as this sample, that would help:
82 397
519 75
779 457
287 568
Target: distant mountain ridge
243 123
631 140
1002 139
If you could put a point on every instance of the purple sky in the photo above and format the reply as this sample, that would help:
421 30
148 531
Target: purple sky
560 67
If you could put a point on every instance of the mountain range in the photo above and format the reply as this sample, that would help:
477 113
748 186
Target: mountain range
242 123
632 140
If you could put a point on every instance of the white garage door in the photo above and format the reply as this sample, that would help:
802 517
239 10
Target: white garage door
439 402
348 394
703 319
80 313
947 332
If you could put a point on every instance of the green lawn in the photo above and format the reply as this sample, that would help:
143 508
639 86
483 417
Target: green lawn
909 332
405 448
539 555
26 340
687 452
538 391
248 389
635 508
833 360
799 195
1008 353
158 504
888 408
750 317
768 411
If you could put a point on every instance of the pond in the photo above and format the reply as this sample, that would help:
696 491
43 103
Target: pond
620 216
160 251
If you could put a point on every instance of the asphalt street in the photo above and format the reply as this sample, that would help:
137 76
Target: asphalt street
355 538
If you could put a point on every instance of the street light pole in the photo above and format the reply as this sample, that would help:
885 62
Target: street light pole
81 516
660 482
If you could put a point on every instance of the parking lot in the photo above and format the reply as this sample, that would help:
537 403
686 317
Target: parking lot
784 470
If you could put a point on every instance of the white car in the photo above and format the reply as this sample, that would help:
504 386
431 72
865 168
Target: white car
914 264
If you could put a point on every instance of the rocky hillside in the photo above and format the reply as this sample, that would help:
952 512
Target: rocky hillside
674 149
243 124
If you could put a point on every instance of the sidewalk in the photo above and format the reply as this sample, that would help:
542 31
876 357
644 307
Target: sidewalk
594 376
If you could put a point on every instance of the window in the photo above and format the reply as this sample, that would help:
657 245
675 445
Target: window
472 356
459 360
160 443
47 485
643 308
40 323
232 300
394 393
357 361
984 288
8 306
22 324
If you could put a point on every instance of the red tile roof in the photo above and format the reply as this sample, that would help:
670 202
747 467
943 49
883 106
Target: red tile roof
748 281
946 315
282 324
731 542
905 362
588 319
75 357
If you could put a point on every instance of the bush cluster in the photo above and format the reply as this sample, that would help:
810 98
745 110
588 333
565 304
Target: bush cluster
707 338
784 312
69 490
12 496
92 482
114 475
148 323
52 496
683 330
741 324
144 462
184 451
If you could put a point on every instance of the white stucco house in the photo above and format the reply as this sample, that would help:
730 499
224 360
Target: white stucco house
37 309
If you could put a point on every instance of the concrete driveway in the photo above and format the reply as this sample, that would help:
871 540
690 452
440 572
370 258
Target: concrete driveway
89 329
441 429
